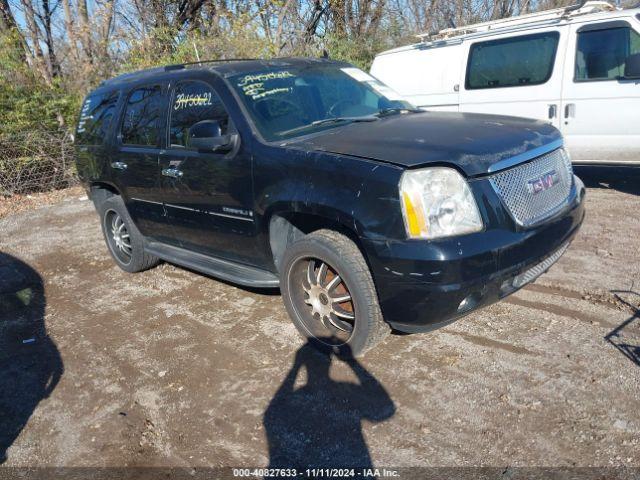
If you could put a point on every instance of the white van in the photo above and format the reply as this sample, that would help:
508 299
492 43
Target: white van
577 68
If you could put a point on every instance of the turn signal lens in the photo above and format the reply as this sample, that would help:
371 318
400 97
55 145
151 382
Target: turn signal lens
437 202
414 226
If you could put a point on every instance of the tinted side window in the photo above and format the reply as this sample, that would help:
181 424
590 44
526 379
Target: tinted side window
95 118
194 102
602 54
511 62
142 117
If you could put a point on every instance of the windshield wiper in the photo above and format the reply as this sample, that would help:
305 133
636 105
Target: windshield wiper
392 111
325 121
367 118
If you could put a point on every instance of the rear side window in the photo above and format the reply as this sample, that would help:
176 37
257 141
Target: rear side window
194 102
95 118
142 117
602 54
512 62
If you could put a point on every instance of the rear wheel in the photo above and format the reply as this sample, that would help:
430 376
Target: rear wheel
124 240
118 236
329 293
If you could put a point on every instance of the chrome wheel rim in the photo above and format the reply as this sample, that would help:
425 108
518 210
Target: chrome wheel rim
118 235
323 300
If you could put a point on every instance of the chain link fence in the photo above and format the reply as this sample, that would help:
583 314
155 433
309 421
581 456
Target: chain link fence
36 161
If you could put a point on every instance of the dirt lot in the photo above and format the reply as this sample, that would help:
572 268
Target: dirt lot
171 368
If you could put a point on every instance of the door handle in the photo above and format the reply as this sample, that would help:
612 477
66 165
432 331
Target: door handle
172 172
570 110
119 165
553 111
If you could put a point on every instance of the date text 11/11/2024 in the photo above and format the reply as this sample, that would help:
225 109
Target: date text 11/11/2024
316 472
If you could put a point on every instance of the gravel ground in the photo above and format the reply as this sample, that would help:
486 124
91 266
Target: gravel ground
22 202
172 368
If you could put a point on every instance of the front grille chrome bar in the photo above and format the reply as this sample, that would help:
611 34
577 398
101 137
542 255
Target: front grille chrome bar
535 191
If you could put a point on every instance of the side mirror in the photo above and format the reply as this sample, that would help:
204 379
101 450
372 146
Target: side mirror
206 135
632 66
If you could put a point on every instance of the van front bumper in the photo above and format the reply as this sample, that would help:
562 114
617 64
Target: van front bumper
423 285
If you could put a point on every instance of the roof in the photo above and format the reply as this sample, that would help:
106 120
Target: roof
592 10
224 68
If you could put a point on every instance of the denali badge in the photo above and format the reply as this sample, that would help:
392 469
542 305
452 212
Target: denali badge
543 182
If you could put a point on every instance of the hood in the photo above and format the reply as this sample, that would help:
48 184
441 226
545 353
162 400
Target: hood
472 142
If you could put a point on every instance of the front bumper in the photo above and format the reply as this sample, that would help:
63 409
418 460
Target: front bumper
425 285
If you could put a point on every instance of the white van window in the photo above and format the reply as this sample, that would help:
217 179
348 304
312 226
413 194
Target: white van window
602 54
512 62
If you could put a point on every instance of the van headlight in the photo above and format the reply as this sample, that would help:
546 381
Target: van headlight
437 202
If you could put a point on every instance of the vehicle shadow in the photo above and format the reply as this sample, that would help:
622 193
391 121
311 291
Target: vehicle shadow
320 423
30 364
622 178
616 337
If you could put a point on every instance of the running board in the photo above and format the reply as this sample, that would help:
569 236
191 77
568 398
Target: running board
216 267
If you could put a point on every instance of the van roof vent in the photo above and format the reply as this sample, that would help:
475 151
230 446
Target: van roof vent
582 8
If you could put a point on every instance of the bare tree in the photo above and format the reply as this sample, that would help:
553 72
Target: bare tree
35 54
7 20
45 17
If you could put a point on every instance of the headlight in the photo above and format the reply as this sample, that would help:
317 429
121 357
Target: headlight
437 202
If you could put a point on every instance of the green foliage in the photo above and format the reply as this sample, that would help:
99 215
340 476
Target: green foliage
26 102
11 55
36 109
34 120
360 53
158 48
163 46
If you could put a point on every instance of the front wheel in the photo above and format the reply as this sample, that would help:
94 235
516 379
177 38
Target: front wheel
329 293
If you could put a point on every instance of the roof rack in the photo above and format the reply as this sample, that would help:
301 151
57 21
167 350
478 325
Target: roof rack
582 8
180 66
167 68
124 76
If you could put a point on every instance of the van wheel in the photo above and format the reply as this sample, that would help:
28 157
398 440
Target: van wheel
124 240
329 294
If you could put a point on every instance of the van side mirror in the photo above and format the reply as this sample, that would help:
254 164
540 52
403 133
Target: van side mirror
632 66
207 136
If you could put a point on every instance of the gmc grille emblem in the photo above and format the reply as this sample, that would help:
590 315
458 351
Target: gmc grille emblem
543 182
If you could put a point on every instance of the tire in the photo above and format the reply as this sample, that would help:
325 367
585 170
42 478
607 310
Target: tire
128 252
313 307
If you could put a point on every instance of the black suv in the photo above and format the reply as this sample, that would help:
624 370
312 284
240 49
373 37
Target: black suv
312 176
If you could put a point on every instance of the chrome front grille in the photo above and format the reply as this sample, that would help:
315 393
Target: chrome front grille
534 191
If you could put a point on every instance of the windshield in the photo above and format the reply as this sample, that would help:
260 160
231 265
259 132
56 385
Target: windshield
298 100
